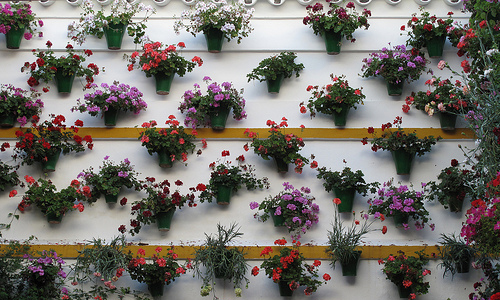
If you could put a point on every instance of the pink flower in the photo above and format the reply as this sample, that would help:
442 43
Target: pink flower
441 64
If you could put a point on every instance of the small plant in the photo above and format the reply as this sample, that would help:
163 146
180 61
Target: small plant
215 259
347 179
11 263
8 176
22 104
273 67
19 16
456 255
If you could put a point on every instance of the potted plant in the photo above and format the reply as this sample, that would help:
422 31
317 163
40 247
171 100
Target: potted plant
160 270
15 20
217 21
227 179
407 273
159 205
18 104
292 208
213 108
110 179
163 64
343 244
403 146
112 25
8 176
52 203
44 142
63 69
401 203
455 184
456 254
110 100
283 148
172 143
345 185
447 99
290 270
215 259
428 31
333 99
336 23
274 69
396 65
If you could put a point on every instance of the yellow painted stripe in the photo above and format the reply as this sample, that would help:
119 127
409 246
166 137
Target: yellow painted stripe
238 133
252 252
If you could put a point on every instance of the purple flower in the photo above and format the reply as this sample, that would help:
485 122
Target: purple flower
297 219
126 161
122 174
254 205
278 211
291 206
106 157
206 78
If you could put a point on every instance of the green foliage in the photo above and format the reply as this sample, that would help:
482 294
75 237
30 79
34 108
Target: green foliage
11 263
20 103
215 259
20 16
347 179
454 251
281 64
8 176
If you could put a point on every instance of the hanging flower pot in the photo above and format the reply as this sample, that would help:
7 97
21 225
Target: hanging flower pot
214 38
447 121
463 265
281 164
435 46
50 164
64 82
110 116
403 161
278 220
218 117
349 268
14 36
111 198
164 218
285 290
341 117
346 197
395 89
52 218
156 288
456 202
163 83
165 159
273 86
224 194
403 291
332 41
400 219
7 120
114 35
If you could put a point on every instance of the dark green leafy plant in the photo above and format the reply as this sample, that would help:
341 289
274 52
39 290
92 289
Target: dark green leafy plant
11 263
454 251
347 179
215 259
20 103
281 64
8 176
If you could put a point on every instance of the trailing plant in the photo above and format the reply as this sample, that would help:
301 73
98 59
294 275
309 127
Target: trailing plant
276 65
453 251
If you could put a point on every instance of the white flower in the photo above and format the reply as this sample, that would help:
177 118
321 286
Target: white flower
491 52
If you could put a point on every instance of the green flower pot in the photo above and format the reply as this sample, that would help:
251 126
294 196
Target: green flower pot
332 41
7 120
455 202
447 121
346 197
111 198
277 220
285 290
273 86
463 265
281 165
218 117
403 161
165 159
163 83
395 89
14 36
156 288
400 219
403 291
110 116
164 219
349 268
50 164
340 118
224 194
64 82
52 218
214 38
435 46
114 35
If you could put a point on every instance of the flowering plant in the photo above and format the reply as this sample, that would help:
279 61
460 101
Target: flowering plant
224 174
8 177
347 179
174 139
332 98
44 276
116 96
290 267
198 107
395 65
71 64
407 271
279 145
121 13
426 27
18 16
154 60
337 19
111 178
295 206
49 137
232 19
159 199
281 64
400 140
394 201
21 103
161 269
43 193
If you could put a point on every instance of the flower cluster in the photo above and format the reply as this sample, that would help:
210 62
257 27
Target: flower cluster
446 97
279 145
296 207
116 96
332 98
45 275
156 60
20 103
426 27
198 107
71 64
395 201
271 68
18 16
121 13
289 266
232 19
338 19
395 65
346 179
